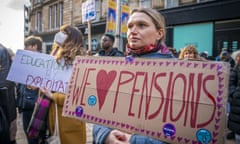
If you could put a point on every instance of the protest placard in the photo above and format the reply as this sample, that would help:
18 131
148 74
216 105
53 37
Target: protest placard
39 70
88 11
176 101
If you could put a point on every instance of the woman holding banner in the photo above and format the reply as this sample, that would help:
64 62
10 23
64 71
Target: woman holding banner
68 43
146 35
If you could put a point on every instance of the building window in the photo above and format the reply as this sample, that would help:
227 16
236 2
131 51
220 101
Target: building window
171 3
145 3
39 21
133 3
61 14
37 1
50 18
234 46
158 3
225 44
55 16
186 2
35 22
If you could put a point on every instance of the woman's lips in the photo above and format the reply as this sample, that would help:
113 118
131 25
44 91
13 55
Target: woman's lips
134 39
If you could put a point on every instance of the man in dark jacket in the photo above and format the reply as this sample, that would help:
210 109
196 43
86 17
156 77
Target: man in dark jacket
107 49
7 94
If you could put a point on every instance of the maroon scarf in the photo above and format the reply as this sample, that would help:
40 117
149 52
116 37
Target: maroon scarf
161 48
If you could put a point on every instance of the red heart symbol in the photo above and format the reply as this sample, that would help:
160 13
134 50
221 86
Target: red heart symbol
104 81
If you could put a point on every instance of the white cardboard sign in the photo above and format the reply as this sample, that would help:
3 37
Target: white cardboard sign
39 70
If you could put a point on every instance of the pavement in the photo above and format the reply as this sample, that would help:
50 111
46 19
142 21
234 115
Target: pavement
21 138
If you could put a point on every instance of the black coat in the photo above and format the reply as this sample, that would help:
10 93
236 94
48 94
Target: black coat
7 88
234 98
112 52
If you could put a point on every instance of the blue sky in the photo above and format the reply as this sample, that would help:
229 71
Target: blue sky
12 23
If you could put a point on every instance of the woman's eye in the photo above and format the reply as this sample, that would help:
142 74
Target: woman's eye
129 26
141 25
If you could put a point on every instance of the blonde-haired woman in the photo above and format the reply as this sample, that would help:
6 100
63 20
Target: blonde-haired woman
190 53
68 43
146 35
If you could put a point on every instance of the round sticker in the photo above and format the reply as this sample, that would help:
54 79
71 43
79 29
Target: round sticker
203 136
79 111
169 130
129 58
92 100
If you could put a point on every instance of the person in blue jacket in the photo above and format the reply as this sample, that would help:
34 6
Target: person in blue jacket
145 35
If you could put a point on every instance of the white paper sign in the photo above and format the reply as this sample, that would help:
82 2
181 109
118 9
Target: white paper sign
39 70
88 11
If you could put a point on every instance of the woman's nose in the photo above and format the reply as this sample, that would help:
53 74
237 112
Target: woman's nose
133 30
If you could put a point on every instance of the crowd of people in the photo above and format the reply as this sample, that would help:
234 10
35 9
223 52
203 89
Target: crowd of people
146 39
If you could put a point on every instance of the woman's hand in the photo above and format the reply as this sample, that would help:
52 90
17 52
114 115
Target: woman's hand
117 137
46 92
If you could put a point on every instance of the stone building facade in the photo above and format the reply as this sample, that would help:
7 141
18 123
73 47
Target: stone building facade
218 17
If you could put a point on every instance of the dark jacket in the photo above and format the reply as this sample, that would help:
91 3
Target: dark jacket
7 88
5 64
100 133
230 60
26 98
113 52
234 98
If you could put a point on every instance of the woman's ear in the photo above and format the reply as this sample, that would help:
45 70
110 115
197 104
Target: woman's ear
160 34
